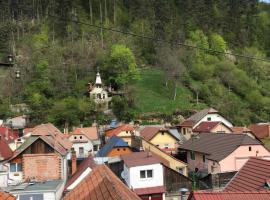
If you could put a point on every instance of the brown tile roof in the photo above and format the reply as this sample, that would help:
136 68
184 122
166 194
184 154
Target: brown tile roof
249 195
187 123
261 131
5 151
6 196
240 129
90 132
88 162
143 158
251 177
50 131
119 129
206 127
150 190
101 184
218 146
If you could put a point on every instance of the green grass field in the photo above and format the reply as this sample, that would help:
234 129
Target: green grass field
153 96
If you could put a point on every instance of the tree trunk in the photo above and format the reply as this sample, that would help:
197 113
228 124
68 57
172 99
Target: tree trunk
174 95
91 11
101 23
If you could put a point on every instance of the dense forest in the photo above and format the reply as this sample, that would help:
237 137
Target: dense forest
201 52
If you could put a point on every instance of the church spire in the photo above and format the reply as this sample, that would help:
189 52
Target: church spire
98 79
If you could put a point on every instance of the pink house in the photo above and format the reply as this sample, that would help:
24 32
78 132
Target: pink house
219 153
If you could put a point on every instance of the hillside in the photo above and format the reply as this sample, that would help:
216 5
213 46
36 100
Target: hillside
216 52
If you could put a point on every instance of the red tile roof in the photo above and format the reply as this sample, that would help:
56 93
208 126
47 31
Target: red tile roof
8 134
150 190
5 151
101 184
143 158
6 196
119 129
240 129
90 132
88 162
249 195
261 131
251 177
206 127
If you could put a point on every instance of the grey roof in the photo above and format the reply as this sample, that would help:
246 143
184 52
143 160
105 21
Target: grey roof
199 115
177 135
218 146
35 187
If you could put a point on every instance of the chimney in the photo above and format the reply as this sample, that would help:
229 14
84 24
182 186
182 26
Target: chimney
73 162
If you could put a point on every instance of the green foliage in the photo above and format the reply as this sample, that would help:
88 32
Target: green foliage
218 43
121 66
121 109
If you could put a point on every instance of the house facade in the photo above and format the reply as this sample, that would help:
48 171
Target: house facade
221 153
143 172
161 137
85 141
206 115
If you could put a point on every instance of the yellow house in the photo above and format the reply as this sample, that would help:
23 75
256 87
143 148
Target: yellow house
174 163
165 139
124 131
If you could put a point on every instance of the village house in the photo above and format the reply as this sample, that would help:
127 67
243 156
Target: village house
116 146
5 153
85 141
143 172
6 196
101 184
205 115
260 130
45 149
220 153
98 93
11 136
163 138
125 131
243 130
212 127
253 176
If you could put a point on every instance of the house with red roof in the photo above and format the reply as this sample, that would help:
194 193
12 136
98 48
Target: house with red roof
260 130
247 195
205 115
212 127
253 176
143 172
125 131
43 156
101 184
85 141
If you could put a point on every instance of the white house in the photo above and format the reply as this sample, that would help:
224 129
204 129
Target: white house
143 172
98 92
206 115
85 141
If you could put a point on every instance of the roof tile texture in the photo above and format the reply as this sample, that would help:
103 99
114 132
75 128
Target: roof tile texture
90 132
260 130
119 129
218 146
101 184
6 196
206 127
251 177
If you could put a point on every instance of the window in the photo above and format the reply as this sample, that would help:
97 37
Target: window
81 150
80 137
146 173
118 149
126 132
249 148
103 96
203 157
162 133
95 147
192 155
124 149
15 167
166 146
184 131
157 145
208 118
75 137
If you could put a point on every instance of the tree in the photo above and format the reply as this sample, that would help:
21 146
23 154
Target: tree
121 67
120 108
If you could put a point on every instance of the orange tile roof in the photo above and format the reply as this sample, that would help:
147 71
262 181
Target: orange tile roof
101 184
6 196
50 130
251 177
90 132
119 129
261 131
